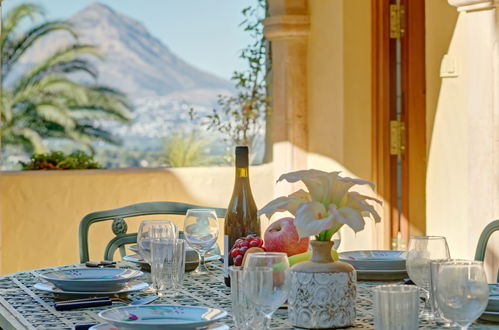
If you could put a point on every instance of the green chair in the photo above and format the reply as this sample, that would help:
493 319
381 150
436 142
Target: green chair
120 227
484 238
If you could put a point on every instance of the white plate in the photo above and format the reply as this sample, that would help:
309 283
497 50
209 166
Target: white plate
150 317
375 259
91 279
131 286
490 316
381 275
109 326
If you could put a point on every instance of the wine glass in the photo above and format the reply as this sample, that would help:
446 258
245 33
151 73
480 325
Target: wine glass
145 235
462 292
267 283
423 249
201 232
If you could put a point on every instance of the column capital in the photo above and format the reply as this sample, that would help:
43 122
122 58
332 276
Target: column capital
473 5
286 27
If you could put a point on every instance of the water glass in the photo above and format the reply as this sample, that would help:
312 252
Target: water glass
167 265
396 307
439 319
423 249
201 232
144 235
243 311
462 292
267 282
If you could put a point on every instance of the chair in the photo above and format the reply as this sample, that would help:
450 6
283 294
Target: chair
120 227
484 238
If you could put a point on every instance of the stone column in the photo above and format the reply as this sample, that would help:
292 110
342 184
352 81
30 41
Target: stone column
287 29
463 162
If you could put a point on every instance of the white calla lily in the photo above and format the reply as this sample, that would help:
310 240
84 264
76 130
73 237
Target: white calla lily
282 204
312 218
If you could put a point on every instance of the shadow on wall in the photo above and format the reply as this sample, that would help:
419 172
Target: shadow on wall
40 211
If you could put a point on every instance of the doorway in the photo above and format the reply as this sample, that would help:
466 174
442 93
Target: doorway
399 117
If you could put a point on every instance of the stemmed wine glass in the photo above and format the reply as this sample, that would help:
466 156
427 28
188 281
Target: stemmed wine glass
267 283
201 232
462 292
423 249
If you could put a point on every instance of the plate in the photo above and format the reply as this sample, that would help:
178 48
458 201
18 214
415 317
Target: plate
91 279
493 305
381 275
161 316
109 326
189 265
375 259
490 316
131 286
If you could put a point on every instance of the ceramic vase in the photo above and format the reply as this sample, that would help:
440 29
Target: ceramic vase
323 291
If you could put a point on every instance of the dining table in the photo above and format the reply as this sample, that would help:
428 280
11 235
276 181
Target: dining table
24 307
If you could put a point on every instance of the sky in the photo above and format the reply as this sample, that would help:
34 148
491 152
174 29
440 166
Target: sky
185 26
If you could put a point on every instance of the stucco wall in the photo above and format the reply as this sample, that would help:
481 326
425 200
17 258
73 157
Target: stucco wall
339 97
462 178
40 211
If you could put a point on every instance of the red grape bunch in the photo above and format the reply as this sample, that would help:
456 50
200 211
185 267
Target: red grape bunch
242 245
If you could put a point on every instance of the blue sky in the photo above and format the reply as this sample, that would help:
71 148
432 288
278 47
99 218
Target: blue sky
185 26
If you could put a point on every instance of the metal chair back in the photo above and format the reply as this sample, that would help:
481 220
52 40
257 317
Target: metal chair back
119 225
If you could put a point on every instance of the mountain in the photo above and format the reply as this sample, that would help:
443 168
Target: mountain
135 61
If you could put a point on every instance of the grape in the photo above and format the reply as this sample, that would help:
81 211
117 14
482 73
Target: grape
238 260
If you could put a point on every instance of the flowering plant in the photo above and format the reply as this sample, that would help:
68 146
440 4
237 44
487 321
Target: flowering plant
327 206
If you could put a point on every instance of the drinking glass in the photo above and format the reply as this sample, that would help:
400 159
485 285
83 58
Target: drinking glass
144 237
267 283
201 232
243 311
396 307
439 319
462 291
167 265
423 249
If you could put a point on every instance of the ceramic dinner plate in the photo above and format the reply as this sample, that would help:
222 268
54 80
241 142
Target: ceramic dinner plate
490 316
375 259
381 275
164 317
109 326
131 286
493 305
91 279
189 266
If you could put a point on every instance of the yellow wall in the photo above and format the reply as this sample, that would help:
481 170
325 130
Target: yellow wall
40 211
339 97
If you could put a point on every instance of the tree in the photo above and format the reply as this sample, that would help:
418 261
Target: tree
187 149
241 118
46 101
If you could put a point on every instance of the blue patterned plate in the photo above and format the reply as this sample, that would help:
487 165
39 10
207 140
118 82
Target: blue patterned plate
109 326
91 279
161 317
131 286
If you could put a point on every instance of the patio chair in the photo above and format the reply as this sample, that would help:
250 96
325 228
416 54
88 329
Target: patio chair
120 227
484 238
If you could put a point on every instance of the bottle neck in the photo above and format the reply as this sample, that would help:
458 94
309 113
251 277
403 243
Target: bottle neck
242 172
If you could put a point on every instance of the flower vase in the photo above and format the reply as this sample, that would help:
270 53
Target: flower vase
323 291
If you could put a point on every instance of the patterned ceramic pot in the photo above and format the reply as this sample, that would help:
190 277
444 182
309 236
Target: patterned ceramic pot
323 291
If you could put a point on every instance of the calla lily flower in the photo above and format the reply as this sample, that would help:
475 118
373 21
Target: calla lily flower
327 206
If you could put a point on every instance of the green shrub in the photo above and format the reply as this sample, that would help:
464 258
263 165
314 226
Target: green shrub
57 160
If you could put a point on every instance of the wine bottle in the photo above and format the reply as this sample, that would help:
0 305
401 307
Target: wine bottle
241 218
